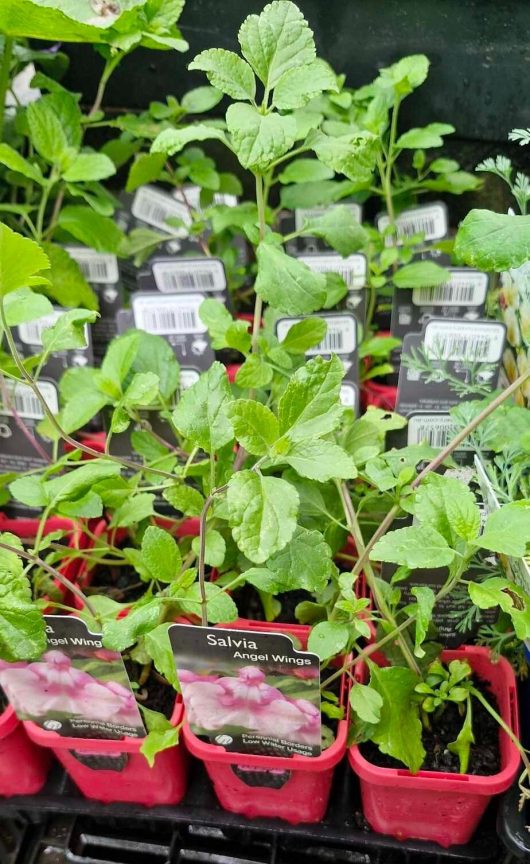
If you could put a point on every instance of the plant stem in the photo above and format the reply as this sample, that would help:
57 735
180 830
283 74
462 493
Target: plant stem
110 66
504 726
70 586
5 69
202 550
380 601
6 398
436 462
258 308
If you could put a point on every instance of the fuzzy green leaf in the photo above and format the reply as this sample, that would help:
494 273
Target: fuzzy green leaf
310 405
288 284
89 167
219 605
339 229
413 547
304 334
353 155
424 605
328 638
262 513
215 549
69 331
254 372
158 646
201 413
68 286
258 139
425 136
493 241
399 730
172 141
134 510
320 460
226 71
305 171
299 85
16 162
99 232
161 554
186 499
20 260
366 702
507 530
255 426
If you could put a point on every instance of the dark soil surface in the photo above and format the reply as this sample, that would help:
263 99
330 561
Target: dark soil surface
249 604
154 693
119 583
485 754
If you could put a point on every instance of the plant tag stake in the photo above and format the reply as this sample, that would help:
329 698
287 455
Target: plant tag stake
77 688
340 339
429 219
247 691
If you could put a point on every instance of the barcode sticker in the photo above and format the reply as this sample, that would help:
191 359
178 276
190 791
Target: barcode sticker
155 207
430 220
27 405
306 214
479 342
352 269
204 274
174 314
349 395
31 332
96 267
341 336
437 430
465 287
188 377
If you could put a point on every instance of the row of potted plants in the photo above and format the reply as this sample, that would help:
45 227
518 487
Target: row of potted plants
262 504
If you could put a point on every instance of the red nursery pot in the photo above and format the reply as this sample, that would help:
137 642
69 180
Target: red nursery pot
294 789
116 770
435 805
379 395
23 766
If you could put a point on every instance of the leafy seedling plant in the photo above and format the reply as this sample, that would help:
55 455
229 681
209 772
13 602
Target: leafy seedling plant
255 462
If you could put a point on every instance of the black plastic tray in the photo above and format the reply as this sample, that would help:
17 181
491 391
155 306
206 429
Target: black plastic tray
511 825
194 830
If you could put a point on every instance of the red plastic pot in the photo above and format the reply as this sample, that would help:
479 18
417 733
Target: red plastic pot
379 395
116 770
434 805
243 783
23 766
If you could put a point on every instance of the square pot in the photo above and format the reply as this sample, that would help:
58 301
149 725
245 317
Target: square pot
435 805
295 789
23 765
107 770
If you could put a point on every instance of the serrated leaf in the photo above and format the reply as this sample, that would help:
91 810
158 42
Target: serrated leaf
24 305
448 505
121 633
22 627
328 638
320 460
255 426
158 646
493 241
353 155
262 513
200 100
201 412
258 139
510 597
297 86
226 71
172 141
218 319
425 600
161 554
304 334
288 284
69 331
20 260
255 372
219 605
186 499
310 405
275 41
413 547
399 730
339 229
46 131
304 563
507 530
134 510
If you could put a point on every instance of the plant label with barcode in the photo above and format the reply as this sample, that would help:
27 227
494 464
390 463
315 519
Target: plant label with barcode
249 692
77 689
171 275
430 220
154 207
19 404
473 342
307 214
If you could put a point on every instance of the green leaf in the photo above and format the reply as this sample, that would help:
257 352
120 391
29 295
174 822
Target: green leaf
320 460
26 19
215 550
449 506
120 634
398 732
366 702
310 405
172 141
118 360
218 319
161 554
219 605
275 41
99 232
24 305
339 229
425 603
146 168
200 100
288 284
90 506
405 75
68 286
156 357
262 513
254 372
226 71
507 530
425 137
15 162
255 426
305 171
143 390
78 481
493 241
304 335
29 491
328 638
462 745
258 139
89 167
22 628
20 260
162 735
186 499
413 547
158 646
510 597
305 563
201 413
353 155
133 511
69 331
46 131
299 85
420 274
